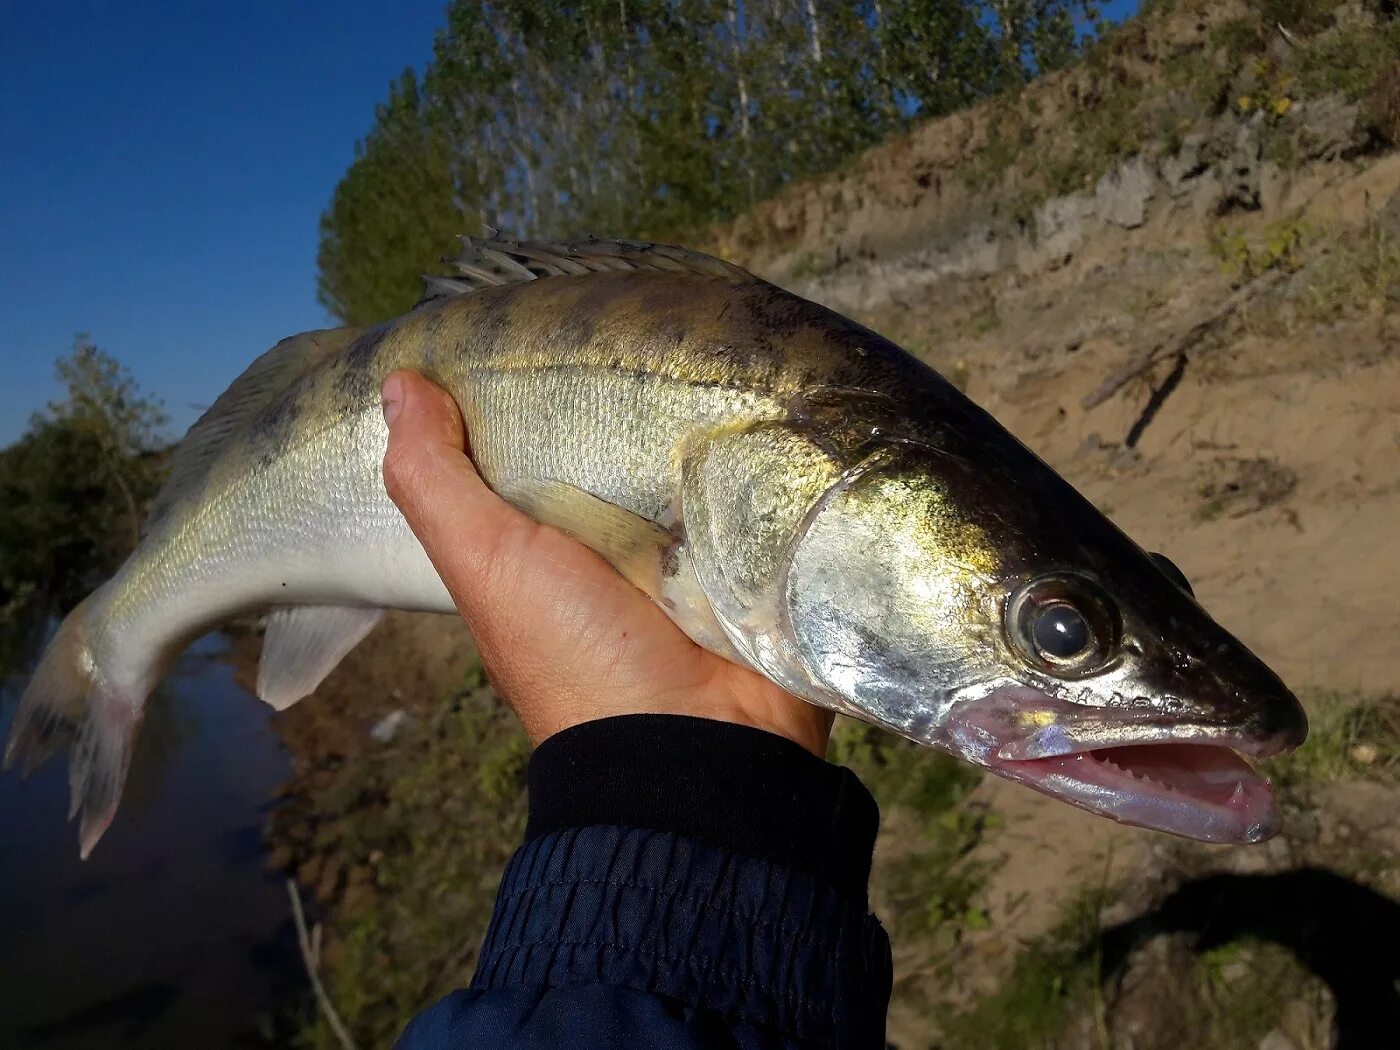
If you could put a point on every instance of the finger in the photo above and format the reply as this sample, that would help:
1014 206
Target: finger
496 561
548 614
466 529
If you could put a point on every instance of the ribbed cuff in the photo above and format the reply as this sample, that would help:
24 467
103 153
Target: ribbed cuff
729 786
781 958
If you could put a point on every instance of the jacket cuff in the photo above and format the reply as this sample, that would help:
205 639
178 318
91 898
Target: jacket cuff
750 952
729 786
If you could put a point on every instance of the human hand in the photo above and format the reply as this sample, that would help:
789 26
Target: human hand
563 636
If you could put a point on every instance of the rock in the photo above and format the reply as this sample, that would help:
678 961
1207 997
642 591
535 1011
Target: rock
978 253
1237 970
1124 459
1061 224
1300 1022
1328 128
1363 754
388 727
1186 164
1241 168
1301 825
1116 914
1276 1040
1122 195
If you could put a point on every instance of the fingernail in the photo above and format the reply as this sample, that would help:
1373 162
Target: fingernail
391 398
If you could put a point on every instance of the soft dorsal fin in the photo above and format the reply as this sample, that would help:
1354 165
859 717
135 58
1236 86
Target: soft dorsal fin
270 374
487 262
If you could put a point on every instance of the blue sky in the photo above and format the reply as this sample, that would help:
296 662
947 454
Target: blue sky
163 167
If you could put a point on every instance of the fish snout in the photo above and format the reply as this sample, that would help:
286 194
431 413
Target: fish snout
1277 725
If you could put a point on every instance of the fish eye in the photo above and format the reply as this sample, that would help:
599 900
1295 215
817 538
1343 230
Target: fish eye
1060 631
1064 625
1174 574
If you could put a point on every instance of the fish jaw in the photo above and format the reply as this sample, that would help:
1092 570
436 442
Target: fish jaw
1186 779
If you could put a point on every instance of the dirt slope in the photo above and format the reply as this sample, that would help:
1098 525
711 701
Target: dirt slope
1248 262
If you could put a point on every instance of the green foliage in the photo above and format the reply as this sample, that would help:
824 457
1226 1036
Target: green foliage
1349 60
1247 258
1053 999
75 487
1244 986
393 214
1359 275
649 119
1348 737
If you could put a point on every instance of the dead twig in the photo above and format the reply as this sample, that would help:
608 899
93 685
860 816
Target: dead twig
1178 346
310 957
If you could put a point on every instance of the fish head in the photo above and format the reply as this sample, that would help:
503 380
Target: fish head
986 608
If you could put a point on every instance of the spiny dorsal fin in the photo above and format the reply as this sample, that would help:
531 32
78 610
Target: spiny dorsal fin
487 262
266 377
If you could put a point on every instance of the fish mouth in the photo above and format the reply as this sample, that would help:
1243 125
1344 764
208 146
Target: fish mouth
1187 779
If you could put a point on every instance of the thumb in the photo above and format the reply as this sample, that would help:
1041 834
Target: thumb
468 531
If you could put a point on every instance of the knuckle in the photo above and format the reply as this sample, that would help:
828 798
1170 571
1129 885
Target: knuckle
401 474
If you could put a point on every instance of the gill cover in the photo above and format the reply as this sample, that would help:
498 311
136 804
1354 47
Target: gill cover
885 596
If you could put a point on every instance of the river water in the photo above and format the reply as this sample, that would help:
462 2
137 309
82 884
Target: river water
172 935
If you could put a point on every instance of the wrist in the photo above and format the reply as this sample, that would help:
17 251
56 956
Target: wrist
724 784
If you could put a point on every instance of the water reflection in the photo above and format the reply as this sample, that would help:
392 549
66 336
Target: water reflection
171 935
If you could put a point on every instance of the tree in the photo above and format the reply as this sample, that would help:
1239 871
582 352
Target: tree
649 118
74 488
392 215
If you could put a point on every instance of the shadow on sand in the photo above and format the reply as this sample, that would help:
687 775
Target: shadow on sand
1346 934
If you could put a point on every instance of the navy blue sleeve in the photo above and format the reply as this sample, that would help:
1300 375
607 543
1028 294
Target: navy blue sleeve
683 883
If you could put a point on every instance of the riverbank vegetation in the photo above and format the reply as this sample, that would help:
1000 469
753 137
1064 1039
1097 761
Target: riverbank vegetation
74 489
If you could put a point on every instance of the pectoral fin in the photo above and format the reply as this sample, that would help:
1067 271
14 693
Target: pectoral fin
634 546
303 644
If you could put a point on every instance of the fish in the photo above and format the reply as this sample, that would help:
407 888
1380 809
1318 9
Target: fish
800 495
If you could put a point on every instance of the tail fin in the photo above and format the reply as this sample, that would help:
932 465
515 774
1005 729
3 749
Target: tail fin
68 701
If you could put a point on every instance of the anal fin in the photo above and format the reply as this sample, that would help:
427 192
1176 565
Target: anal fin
303 644
634 546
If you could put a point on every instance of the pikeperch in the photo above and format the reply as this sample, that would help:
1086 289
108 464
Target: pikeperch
799 494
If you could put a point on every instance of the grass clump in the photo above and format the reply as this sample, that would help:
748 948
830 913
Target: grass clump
923 878
1061 994
1360 275
451 810
1349 60
1244 986
1348 737
1054 980
1244 257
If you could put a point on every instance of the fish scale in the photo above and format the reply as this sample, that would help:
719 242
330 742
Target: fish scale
798 494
